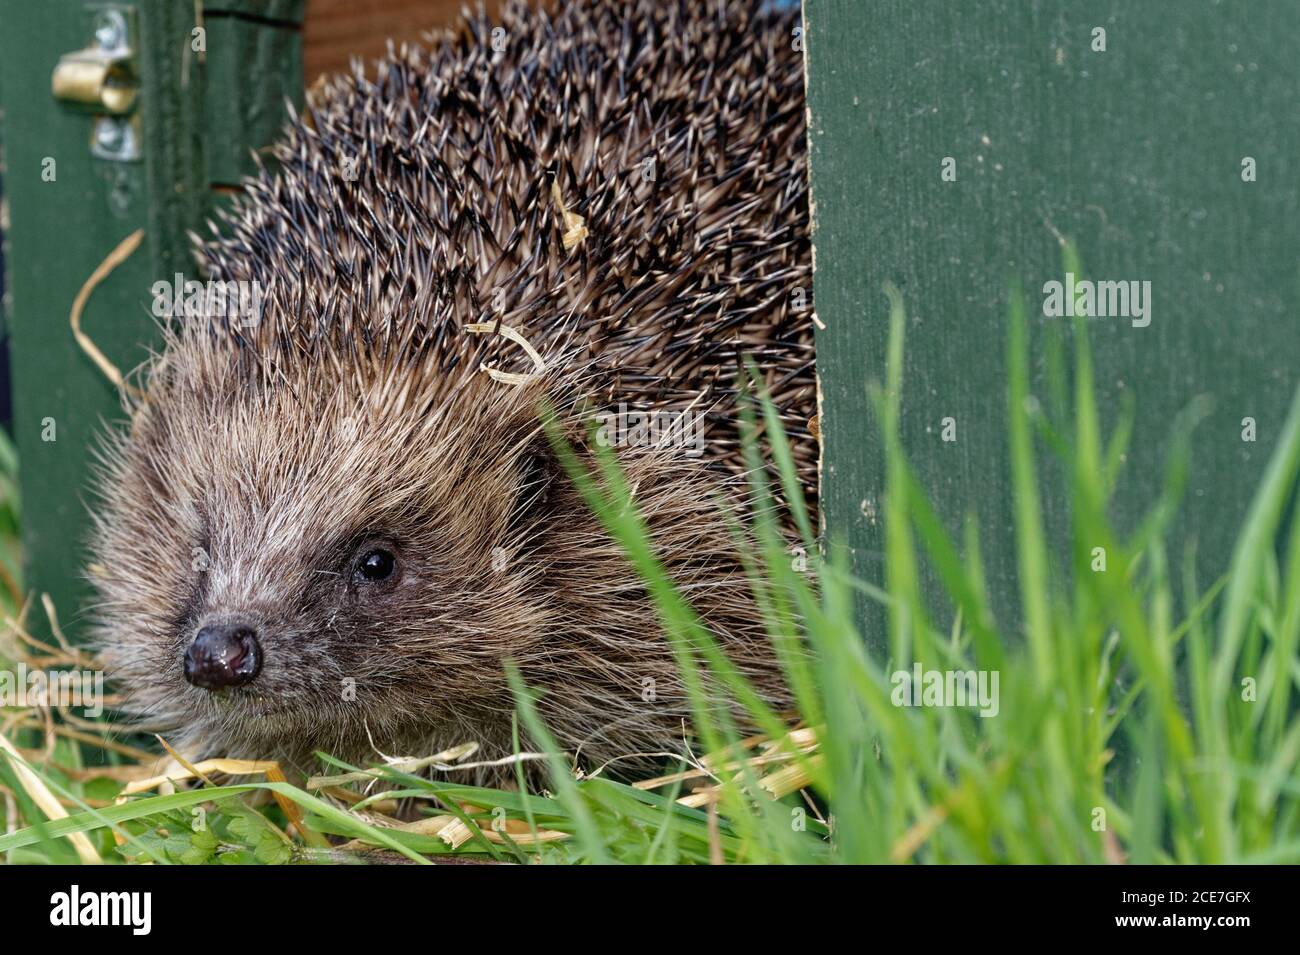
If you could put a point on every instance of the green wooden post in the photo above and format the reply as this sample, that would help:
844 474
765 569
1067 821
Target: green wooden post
70 206
1140 153
253 65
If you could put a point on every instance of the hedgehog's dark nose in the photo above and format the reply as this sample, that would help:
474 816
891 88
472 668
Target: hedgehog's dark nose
223 655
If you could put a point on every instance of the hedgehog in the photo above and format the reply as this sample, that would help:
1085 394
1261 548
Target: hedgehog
333 525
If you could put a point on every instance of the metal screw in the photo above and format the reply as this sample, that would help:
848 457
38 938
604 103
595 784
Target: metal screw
110 29
109 134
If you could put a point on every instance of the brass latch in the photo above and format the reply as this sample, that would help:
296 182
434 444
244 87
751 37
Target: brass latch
102 78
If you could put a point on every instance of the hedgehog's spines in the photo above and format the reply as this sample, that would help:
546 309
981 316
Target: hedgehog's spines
430 175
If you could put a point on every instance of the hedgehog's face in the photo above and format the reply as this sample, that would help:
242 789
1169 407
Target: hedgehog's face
329 575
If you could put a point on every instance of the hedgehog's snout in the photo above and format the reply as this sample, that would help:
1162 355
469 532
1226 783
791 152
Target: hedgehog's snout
222 655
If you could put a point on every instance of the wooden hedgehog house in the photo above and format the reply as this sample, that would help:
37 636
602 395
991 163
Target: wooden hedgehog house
1131 150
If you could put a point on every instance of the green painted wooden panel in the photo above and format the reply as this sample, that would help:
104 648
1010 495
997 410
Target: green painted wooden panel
61 230
1134 153
253 66
288 13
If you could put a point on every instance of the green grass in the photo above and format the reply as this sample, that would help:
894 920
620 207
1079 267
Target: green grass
1127 730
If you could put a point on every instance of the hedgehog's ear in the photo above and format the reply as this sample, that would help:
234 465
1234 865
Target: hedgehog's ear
537 471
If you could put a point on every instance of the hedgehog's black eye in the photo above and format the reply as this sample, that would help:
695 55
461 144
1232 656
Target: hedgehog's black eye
376 565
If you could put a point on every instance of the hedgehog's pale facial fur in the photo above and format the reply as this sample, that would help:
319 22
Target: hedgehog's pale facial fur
265 461
270 496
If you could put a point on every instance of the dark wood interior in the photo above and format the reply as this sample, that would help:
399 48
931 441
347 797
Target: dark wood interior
337 30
